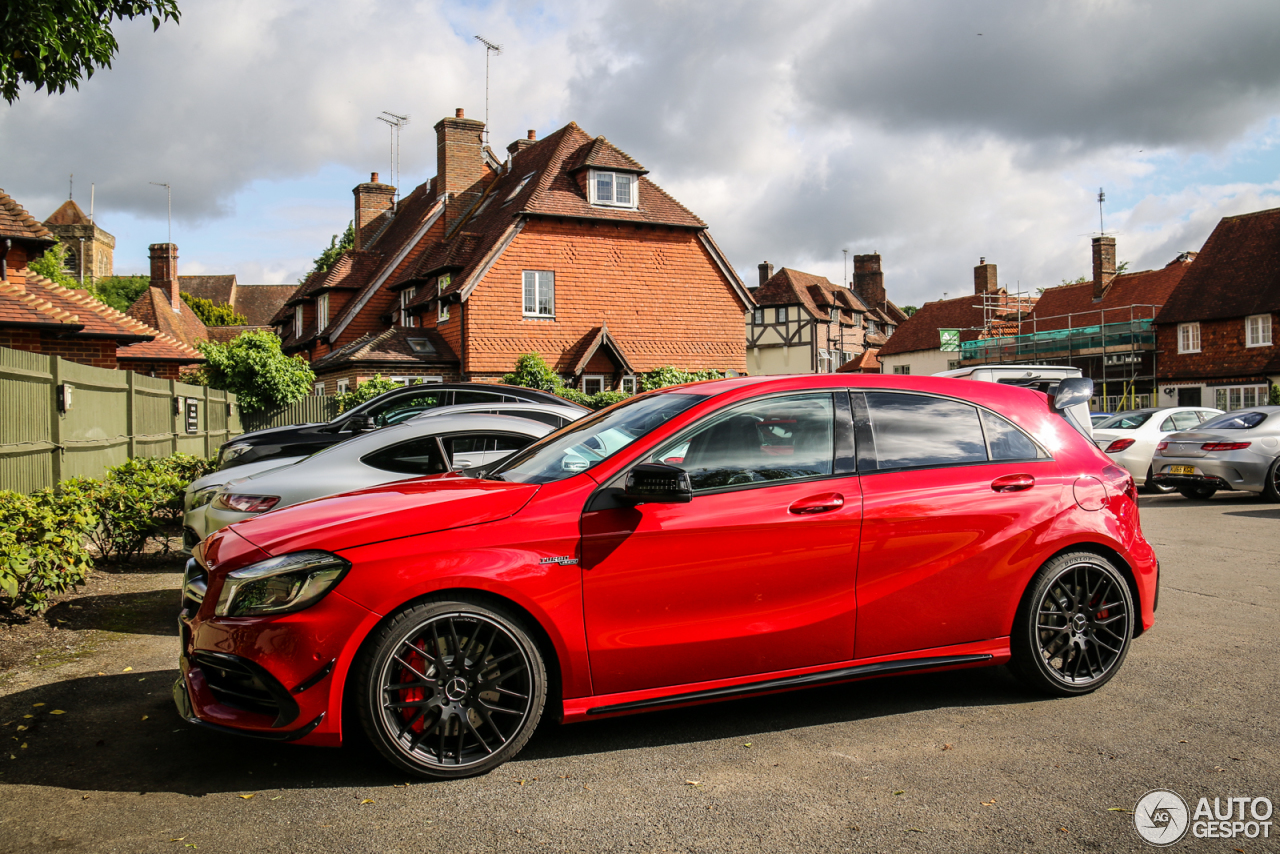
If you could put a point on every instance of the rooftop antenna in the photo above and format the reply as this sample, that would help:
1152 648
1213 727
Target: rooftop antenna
845 283
495 50
394 121
168 191
1102 197
71 186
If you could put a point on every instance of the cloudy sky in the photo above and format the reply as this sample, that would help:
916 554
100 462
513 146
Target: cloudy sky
931 132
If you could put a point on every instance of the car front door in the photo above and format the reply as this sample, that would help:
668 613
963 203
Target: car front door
953 498
754 575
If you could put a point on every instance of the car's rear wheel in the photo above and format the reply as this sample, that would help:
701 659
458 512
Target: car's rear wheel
1201 493
1073 628
1271 489
1152 488
451 689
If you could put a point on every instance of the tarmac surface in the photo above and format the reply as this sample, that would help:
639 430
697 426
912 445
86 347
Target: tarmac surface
955 762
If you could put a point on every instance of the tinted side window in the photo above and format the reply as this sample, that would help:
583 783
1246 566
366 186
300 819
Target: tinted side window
461 397
416 457
1006 442
914 430
758 442
478 442
406 406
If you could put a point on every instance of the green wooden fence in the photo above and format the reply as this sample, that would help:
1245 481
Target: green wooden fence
312 408
60 419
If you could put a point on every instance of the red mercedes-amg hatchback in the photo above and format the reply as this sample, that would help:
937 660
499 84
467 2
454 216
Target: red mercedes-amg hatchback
697 543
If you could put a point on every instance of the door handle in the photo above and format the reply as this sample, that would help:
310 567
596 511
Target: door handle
824 503
1013 483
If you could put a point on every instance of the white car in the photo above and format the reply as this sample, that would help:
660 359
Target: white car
421 446
202 490
1130 438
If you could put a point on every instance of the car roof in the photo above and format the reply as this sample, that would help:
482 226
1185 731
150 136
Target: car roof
522 406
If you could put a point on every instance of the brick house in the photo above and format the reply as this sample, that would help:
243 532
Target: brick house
39 316
1216 332
161 306
258 303
566 249
929 341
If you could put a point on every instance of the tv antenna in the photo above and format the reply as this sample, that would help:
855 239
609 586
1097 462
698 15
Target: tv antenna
490 49
394 122
845 283
1102 197
168 191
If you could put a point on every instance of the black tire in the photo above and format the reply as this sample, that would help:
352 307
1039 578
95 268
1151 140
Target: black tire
1198 493
1074 626
451 689
1152 488
1271 489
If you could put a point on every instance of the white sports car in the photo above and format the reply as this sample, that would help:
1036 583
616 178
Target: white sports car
1130 438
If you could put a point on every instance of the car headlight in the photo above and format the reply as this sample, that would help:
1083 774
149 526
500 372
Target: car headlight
245 503
230 452
280 584
202 497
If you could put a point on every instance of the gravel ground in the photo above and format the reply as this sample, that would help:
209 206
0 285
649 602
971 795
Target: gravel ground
957 762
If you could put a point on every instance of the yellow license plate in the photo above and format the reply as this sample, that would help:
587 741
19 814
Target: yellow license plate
1182 469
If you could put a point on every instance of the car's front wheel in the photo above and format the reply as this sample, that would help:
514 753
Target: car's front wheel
451 689
1073 628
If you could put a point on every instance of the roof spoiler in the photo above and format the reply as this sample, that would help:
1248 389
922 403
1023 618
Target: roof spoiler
1071 391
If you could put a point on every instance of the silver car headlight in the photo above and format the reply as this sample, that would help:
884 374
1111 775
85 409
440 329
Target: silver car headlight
280 585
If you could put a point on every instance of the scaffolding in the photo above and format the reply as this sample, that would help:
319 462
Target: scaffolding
1118 354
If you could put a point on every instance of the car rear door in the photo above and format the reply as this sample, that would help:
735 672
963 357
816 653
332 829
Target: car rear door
754 575
952 499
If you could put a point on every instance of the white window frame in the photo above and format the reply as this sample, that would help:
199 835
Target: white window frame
845 357
613 180
407 320
297 321
318 388
543 284
629 384
1189 337
322 312
871 327
1257 330
344 386
835 315
824 362
442 312
586 378
902 370
415 379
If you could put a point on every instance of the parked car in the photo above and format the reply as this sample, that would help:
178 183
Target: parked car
1130 438
1044 378
202 490
441 613
386 409
1238 450
554 415
1098 417
418 447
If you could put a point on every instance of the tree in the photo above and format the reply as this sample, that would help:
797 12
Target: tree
532 371
330 256
254 367
909 310
52 265
212 313
120 292
54 43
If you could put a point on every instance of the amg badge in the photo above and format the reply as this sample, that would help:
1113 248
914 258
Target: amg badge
559 560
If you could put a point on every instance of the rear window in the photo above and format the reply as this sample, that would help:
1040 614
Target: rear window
1126 421
1235 421
912 431
419 456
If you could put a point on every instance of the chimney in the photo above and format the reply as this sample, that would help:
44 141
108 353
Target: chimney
372 199
984 278
521 144
868 281
1104 264
164 272
460 166
766 272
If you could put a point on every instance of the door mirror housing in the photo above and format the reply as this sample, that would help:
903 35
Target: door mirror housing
1072 391
362 424
657 483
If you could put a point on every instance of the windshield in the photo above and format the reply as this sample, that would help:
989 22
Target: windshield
585 443
1234 421
1126 421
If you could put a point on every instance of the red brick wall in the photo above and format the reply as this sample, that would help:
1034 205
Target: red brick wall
162 370
659 291
84 351
360 375
27 340
1223 353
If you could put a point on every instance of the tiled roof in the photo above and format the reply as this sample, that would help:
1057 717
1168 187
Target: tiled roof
816 293
100 320
217 289
391 346
259 303
603 154
920 330
15 222
69 214
1236 274
223 334
154 309
352 271
20 308
1136 290
162 348
865 362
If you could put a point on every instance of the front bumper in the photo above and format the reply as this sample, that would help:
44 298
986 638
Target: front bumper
274 678
1232 470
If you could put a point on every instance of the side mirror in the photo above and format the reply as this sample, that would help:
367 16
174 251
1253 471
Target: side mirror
657 483
362 424
1073 391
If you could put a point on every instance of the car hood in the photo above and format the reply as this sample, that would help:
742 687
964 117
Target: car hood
386 512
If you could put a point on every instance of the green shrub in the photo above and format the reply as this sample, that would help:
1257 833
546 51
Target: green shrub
41 548
253 366
532 371
367 390
667 376
1275 395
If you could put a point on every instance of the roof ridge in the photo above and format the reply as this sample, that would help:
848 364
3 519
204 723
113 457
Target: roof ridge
554 162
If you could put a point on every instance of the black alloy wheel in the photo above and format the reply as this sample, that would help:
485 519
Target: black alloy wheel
451 689
1271 489
1198 493
1074 626
1151 487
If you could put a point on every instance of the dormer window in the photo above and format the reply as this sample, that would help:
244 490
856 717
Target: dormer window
297 321
406 297
835 315
613 189
322 312
519 187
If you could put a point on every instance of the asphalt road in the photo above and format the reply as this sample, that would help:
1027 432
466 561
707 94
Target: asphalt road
957 762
